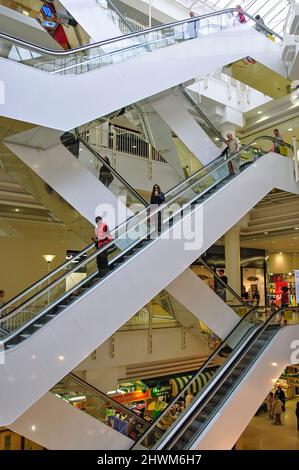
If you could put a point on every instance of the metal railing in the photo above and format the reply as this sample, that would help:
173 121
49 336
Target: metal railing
123 141
138 34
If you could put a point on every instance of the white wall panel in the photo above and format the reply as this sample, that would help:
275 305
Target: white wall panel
57 425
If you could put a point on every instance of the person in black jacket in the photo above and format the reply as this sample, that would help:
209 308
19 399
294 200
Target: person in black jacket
281 396
105 175
157 198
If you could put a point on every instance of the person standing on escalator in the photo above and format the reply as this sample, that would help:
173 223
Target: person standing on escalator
105 174
102 237
157 198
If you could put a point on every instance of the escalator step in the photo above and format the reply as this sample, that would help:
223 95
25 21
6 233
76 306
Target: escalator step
24 335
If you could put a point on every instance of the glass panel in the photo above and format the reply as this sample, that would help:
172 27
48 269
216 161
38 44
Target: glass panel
93 402
118 49
212 369
103 170
66 283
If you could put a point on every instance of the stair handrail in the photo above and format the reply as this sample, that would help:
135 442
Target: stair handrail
138 218
97 392
87 47
112 170
226 286
189 98
202 368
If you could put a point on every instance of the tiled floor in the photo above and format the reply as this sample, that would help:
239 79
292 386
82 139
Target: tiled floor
262 434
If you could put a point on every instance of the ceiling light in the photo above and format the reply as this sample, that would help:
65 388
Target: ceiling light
33 427
280 253
254 239
296 228
290 274
61 358
274 241
274 364
290 129
254 143
260 112
266 233
49 258
134 146
17 210
295 238
217 138
271 274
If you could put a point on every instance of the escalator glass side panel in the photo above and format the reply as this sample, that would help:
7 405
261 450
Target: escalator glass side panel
197 387
123 48
128 239
205 411
96 404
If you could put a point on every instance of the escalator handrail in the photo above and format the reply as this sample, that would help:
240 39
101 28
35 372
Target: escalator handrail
123 224
240 353
112 170
189 98
103 396
199 371
66 53
242 301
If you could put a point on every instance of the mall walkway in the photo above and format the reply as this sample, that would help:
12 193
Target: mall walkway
262 434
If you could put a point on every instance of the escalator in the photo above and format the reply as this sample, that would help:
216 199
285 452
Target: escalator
237 377
68 176
56 323
125 63
81 417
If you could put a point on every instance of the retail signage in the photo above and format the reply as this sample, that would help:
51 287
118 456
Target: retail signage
278 291
132 396
164 390
297 285
293 381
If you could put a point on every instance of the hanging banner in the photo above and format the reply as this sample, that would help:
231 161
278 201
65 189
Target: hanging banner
297 284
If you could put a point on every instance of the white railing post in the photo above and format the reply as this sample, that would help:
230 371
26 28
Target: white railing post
150 161
113 131
296 159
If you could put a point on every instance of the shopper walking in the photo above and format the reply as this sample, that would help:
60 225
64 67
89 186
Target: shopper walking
240 15
259 25
233 146
192 26
277 410
218 286
105 174
277 142
281 396
297 414
102 237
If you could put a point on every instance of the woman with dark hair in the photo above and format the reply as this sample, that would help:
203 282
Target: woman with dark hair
157 198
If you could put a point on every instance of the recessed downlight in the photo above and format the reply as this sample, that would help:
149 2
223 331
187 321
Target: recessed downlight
290 129
260 112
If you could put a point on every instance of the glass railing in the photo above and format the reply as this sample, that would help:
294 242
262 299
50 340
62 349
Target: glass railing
102 169
226 293
203 120
64 286
96 404
112 51
239 340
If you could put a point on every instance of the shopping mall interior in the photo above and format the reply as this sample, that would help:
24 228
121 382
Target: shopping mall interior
149 229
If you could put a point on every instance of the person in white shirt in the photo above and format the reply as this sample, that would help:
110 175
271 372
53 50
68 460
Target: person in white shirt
234 146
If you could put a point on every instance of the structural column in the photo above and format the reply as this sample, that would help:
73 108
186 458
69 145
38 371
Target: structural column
232 258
